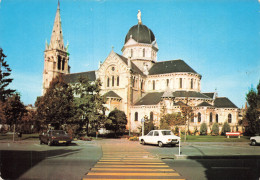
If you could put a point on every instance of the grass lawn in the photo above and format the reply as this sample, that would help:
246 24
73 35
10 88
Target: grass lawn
9 137
210 138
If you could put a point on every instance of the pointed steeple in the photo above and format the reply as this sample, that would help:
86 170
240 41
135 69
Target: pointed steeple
56 36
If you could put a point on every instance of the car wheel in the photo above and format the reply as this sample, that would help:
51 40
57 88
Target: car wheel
253 143
173 145
49 143
40 141
68 143
160 144
142 142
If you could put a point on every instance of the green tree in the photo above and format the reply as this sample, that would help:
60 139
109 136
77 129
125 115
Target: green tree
116 121
203 129
5 72
56 106
215 129
225 128
253 111
14 110
89 104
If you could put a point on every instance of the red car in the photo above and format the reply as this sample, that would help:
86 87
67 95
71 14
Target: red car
55 137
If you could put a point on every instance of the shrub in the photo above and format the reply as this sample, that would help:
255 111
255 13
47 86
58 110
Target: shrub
215 129
134 138
225 128
203 129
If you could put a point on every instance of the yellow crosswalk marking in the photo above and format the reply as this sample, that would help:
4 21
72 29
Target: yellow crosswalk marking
127 162
106 178
129 169
131 174
123 165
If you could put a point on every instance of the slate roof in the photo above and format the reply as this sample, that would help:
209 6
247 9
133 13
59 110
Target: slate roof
204 104
112 94
223 102
73 78
211 95
189 94
172 66
134 67
150 99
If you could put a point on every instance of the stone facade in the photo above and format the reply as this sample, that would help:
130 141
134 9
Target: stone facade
137 84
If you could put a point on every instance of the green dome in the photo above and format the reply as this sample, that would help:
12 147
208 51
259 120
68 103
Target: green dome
141 34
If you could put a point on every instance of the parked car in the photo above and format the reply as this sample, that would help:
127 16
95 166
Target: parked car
255 140
160 137
55 137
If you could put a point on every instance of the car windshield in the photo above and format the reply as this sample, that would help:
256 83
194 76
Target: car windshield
58 132
166 133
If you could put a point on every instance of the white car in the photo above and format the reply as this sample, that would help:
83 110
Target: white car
160 137
255 140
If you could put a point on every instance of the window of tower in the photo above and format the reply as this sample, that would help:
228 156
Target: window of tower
108 82
191 83
117 80
134 82
59 62
153 84
63 64
167 82
143 52
113 81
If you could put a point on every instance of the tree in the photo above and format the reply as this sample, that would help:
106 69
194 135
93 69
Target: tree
116 121
225 128
5 72
56 107
89 104
172 119
253 111
215 129
203 129
14 111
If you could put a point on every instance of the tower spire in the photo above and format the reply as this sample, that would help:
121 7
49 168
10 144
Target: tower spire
56 36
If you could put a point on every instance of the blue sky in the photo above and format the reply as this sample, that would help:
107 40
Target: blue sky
218 38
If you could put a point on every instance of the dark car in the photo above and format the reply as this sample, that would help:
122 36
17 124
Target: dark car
55 137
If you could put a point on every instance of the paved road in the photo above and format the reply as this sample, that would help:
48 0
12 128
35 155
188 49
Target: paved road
29 160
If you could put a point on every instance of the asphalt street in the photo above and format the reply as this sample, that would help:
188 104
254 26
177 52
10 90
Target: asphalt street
89 160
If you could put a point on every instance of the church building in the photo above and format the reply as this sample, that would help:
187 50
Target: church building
135 82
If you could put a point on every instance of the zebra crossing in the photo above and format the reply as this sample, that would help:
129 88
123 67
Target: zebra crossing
131 163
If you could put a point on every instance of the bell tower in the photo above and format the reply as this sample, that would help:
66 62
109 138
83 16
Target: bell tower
56 57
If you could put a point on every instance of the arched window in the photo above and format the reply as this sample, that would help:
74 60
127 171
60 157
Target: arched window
113 81
134 82
210 117
59 62
167 82
216 118
108 82
153 84
117 80
199 117
229 118
136 116
191 83
180 83
143 52
142 85
192 117
151 116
